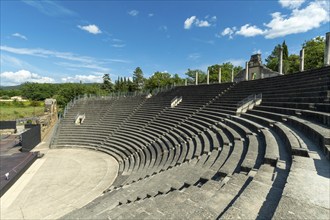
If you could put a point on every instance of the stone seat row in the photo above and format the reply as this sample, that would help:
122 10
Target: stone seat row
202 160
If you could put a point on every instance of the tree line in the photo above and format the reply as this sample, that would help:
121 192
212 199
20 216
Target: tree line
314 56
63 93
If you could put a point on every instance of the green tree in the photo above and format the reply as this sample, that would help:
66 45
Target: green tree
10 92
131 86
314 53
177 80
293 63
158 79
191 74
61 100
38 91
226 69
138 79
214 72
34 103
285 51
272 61
107 84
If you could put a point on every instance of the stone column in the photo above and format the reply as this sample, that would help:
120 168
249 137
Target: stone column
280 65
302 60
219 77
232 75
208 77
196 78
327 50
246 71
185 82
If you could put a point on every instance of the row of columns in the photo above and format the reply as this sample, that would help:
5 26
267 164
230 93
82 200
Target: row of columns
208 77
301 61
301 66
302 56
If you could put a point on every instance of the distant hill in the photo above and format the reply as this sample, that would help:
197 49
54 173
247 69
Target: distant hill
10 87
18 86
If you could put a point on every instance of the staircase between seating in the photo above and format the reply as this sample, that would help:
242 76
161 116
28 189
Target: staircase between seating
248 103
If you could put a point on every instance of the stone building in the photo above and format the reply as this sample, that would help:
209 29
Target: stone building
256 70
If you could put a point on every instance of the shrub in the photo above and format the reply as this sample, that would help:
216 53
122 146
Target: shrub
34 103
18 103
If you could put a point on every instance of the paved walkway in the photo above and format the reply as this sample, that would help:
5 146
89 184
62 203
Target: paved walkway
59 182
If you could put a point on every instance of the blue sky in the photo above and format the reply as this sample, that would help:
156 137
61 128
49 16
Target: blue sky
72 41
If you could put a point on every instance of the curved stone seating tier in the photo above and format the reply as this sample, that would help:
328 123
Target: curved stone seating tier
189 200
292 87
173 154
257 193
253 143
319 107
320 133
202 159
91 110
319 117
176 178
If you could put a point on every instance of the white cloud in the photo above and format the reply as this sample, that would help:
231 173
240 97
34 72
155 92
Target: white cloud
50 53
207 22
193 20
11 61
118 45
189 21
214 18
117 40
255 51
133 13
249 31
76 61
300 21
193 56
83 65
19 36
50 8
151 14
83 78
92 28
25 51
228 31
21 76
201 23
292 4
116 61
163 28
236 62
46 53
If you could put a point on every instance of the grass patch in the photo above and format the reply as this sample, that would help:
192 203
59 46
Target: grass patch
15 110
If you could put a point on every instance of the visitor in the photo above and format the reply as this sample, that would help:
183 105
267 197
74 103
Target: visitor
7 176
